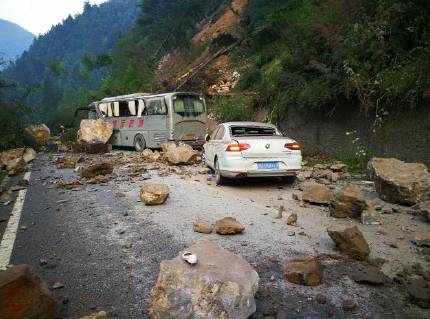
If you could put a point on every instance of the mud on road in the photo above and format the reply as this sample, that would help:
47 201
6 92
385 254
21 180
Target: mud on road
106 249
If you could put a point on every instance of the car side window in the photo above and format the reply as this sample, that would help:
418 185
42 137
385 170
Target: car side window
214 132
220 134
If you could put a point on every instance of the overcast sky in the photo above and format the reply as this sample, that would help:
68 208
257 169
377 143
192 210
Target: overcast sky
37 16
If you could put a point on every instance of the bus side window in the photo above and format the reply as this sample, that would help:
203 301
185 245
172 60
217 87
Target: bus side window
140 108
123 109
156 107
109 109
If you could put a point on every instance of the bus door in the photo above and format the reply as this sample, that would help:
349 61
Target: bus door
155 122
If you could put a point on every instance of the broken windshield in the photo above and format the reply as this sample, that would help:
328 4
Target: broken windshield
253 131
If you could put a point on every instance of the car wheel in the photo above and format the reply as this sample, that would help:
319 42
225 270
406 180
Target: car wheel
219 179
139 143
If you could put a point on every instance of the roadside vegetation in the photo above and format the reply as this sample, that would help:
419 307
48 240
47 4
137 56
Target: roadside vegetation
307 55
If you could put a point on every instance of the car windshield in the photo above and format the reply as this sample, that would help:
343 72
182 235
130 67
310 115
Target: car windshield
188 105
253 131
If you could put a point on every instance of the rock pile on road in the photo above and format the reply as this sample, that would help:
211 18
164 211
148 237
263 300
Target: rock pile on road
15 160
220 285
97 169
23 295
325 173
38 134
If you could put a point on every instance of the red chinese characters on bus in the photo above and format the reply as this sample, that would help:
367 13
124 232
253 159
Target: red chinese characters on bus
114 123
122 124
130 123
140 122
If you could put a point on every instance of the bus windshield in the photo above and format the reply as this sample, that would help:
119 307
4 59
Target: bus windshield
188 105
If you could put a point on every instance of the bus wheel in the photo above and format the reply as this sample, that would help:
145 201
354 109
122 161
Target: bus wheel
139 143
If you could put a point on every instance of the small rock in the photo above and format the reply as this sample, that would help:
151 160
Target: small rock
303 271
202 226
57 285
422 240
228 226
155 194
348 202
43 262
104 168
292 219
350 240
119 194
279 213
419 292
349 305
317 194
369 274
291 233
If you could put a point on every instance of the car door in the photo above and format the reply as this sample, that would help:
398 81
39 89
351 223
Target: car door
208 147
218 142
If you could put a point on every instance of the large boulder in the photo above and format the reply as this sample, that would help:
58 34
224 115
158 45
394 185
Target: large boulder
38 134
220 285
95 131
22 295
400 182
14 160
317 194
154 194
350 240
180 155
228 226
303 271
349 202
103 168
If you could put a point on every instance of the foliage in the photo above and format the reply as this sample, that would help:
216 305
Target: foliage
309 53
230 108
13 119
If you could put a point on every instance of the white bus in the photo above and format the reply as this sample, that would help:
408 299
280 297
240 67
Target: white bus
143 120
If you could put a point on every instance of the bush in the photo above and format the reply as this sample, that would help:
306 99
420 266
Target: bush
230 108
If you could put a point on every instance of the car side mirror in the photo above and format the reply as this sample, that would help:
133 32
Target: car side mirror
207 137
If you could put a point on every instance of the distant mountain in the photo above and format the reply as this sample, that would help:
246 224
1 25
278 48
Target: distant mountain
14 40
73 57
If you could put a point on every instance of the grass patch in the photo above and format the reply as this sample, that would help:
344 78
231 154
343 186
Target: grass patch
355 166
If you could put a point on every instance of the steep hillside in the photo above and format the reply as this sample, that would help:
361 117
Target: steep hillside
14 40
73 56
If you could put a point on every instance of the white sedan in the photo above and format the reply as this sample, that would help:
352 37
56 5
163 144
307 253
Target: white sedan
251 149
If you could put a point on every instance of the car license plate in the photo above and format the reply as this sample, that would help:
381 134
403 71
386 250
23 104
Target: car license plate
268 165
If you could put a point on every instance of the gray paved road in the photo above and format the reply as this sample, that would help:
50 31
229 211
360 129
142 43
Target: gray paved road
106 250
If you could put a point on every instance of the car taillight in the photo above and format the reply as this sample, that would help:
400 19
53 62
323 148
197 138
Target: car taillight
237 147
292 146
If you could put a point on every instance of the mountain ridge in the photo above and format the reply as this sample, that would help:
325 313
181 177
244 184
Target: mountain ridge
14 40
